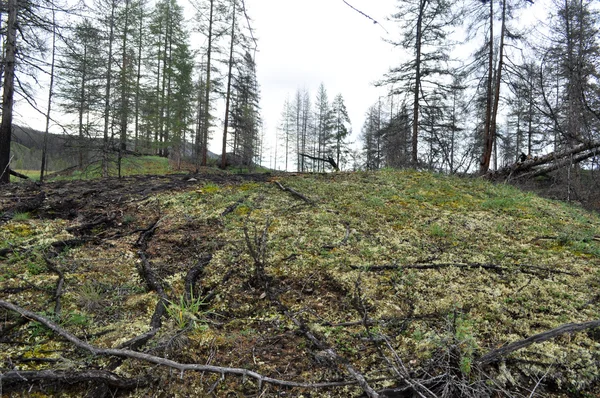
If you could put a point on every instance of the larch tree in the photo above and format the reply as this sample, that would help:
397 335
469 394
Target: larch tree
286 131
323 124
27 24
340 127
570 72
425 25
245 113
80 81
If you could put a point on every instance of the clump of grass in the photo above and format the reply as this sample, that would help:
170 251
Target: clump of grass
90 297
187 313
21 216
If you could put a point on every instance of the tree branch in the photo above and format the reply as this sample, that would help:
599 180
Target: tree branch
163 361
498 354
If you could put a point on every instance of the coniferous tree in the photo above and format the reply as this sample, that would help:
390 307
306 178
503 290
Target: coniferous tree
570 72
27 24
425 27
286 130
80 82
340 128
323 124
245 114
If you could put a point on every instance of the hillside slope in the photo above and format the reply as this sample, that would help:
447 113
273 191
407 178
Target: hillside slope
388 283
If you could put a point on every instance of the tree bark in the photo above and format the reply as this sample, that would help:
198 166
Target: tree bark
415 126
207 93
8 91
487 136
108 88
50 93
228 98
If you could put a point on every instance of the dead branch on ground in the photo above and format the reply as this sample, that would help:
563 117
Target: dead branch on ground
193 274
497 354
232 207
395 363
128 354
24 207
257 249
526 269
343 242
17 174
294 193
58 291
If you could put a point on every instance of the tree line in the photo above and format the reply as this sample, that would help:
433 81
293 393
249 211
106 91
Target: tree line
125 78
312 134
518 89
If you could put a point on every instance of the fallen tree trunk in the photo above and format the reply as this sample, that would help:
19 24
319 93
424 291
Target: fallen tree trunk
530 168
329 160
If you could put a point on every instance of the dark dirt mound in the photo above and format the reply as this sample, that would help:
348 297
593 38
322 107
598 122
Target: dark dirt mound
69 199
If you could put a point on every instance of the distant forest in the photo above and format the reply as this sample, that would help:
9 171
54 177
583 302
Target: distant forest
480 87
130 81
124 74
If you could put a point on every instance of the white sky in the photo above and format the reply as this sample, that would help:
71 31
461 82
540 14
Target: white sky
305 42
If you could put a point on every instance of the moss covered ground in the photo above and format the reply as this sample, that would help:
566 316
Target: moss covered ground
394 270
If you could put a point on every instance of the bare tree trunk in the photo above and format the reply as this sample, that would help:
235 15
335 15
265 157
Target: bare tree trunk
498 83
108 87
208 87
138 76
487 136
124 90
50 93
415 127
227 100
8 91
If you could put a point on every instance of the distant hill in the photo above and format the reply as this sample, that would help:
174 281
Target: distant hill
26 149
27 144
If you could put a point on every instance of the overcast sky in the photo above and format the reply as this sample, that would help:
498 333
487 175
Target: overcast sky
305 42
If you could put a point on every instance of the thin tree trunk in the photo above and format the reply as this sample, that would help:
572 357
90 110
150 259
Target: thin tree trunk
138 76
50 93
124 91
493 123
415 127
227 100
487 135
108 87
82 100
8 91
208 87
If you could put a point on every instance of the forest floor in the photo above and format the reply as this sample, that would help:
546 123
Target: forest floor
390 283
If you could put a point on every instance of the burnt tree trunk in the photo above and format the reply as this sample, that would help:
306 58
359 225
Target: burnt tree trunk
8 91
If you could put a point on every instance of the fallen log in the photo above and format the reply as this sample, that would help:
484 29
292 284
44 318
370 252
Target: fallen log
329 160
530 168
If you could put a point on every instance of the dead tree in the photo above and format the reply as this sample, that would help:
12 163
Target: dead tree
545 164
329 160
